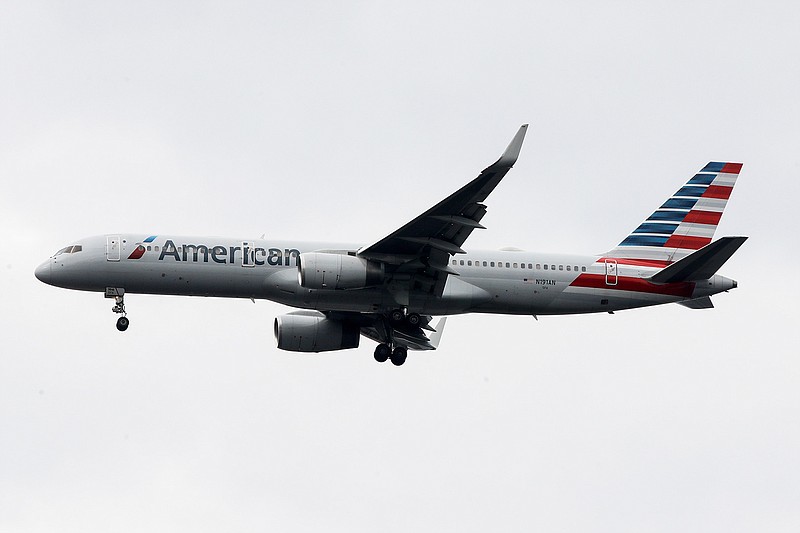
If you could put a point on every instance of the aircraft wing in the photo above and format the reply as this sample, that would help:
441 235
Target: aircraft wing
423 246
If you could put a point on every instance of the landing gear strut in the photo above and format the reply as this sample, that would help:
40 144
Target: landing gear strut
118 294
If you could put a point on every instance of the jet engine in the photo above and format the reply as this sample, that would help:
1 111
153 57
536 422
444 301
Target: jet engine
320 270
309 331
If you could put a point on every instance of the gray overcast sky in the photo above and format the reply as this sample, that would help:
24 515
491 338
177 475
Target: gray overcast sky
341 121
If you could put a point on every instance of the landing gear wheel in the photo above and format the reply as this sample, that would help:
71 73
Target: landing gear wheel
397 316
123 323
382 353
413 319
399 356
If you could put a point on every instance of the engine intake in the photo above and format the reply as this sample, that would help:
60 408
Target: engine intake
320 270
309 331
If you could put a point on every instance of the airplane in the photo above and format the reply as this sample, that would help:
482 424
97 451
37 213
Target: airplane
390 290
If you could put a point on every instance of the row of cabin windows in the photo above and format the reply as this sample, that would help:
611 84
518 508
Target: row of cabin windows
530 266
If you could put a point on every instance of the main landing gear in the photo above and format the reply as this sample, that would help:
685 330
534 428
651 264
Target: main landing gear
119 306
397 356
398 319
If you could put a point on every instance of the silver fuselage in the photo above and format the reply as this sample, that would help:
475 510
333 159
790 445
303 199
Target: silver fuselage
489 281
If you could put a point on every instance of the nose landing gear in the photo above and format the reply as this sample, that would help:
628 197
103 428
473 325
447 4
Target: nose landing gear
118 293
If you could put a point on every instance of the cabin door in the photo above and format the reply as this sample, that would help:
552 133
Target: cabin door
611 272
113 246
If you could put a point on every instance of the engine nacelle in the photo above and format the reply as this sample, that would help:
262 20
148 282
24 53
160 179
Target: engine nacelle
309 331
320 270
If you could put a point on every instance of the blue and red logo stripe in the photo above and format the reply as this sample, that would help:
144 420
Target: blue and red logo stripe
140 249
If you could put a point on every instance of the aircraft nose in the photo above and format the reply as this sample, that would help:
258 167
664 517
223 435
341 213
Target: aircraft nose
42 272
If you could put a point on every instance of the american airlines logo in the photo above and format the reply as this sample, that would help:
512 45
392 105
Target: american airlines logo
246 255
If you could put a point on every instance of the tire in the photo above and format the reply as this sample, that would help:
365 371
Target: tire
382 353
414 319
399 356
396 316
123 323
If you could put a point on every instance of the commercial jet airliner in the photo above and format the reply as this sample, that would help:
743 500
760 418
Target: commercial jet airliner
388 291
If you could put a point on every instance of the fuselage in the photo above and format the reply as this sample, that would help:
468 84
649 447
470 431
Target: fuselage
488 281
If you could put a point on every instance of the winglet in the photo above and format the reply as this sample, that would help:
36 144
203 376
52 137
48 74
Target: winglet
511 154
436 336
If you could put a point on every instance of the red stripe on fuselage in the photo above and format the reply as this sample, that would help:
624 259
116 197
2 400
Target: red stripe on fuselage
598 281
636 262
687 242
718 191
703 217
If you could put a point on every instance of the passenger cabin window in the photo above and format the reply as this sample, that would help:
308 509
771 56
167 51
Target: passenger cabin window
508 265
545 267
484 263
469 263
455 262
561 267
568 268
515 265
491 264
538 266
583 269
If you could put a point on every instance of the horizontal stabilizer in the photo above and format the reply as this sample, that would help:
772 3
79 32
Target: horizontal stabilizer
698 303
701 264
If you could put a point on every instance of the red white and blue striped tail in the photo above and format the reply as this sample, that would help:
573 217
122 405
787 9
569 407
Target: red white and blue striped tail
686 221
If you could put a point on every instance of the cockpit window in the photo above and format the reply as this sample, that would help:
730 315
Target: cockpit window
69 250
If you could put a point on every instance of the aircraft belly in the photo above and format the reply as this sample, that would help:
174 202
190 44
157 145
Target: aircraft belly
583 300
188 279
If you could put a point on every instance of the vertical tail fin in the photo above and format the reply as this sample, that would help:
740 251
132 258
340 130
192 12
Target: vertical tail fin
686 221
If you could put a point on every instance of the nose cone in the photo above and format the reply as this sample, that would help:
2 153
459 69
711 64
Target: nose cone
42 272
